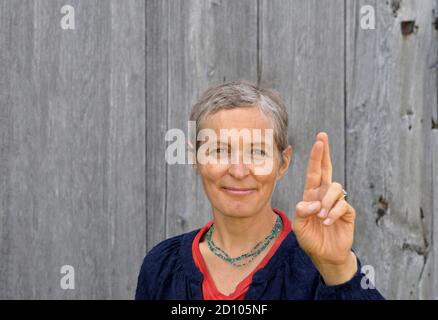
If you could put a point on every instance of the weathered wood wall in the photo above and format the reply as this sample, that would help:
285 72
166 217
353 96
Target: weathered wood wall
72 128
391 97
83 180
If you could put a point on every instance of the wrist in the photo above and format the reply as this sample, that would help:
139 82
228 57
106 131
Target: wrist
339 273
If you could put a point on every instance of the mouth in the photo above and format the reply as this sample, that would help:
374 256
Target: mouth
238 191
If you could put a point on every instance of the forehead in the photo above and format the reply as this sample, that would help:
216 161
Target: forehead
238 118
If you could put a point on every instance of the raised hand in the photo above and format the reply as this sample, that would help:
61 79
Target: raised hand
324 220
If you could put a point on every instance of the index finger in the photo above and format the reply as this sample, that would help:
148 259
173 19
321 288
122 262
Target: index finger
314 170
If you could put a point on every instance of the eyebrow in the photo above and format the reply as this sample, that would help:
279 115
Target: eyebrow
261 143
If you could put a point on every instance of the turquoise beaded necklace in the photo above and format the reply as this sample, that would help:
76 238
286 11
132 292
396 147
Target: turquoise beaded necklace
249 256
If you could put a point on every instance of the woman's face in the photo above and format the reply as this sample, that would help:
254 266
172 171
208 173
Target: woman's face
236 188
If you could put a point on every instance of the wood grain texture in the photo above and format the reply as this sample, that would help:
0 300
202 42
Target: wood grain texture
301 53
156 119
431 287
73 152
389 106
429 282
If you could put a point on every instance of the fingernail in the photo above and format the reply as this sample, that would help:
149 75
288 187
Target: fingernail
313 205
322 213
327 221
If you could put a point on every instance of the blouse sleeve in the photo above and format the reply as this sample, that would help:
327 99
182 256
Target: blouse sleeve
142 291
358 288
158 263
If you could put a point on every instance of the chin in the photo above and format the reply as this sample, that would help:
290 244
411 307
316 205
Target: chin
241 210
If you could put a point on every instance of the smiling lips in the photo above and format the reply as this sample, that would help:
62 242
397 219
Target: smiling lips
238 191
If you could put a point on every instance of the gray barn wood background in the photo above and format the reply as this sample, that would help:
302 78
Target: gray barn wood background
83 114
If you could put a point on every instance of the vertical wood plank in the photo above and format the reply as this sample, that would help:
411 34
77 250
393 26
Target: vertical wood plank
433 284
429 282
388 142
301 50
73 153
157 25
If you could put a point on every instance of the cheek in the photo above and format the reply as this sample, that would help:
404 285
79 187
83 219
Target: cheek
270 179
211 174
266 182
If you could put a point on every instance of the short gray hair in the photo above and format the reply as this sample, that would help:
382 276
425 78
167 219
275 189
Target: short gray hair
243 93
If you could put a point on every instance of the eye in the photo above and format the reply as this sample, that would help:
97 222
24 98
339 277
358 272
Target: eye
219 151
258 152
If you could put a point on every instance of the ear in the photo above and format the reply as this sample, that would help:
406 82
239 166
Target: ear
287 157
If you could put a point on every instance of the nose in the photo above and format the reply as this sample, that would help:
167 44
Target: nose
238 170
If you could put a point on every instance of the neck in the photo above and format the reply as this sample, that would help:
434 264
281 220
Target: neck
236 235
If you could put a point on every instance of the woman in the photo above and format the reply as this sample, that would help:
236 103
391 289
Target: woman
250 250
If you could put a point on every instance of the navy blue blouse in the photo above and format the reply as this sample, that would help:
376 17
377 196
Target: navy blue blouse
169 272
